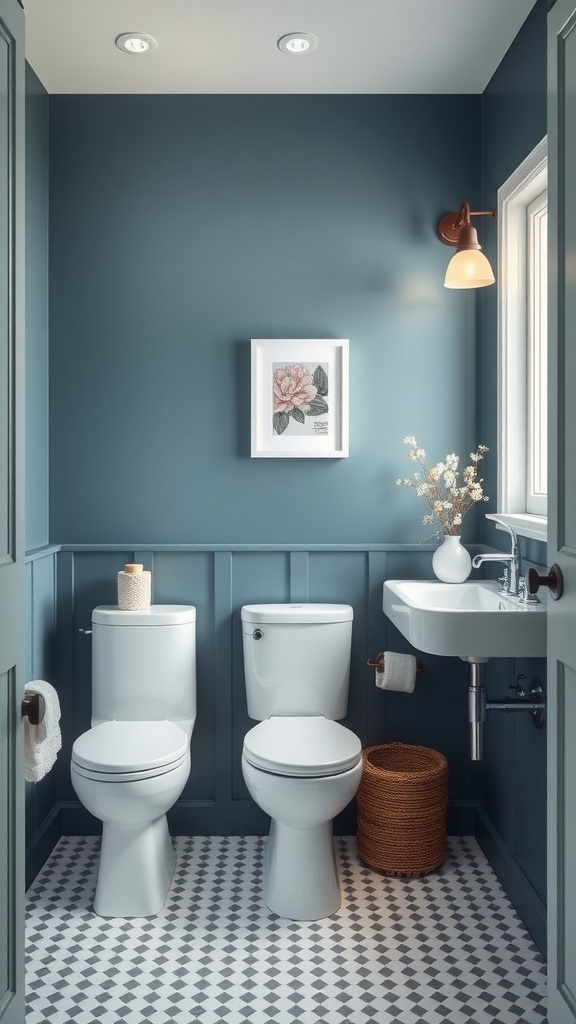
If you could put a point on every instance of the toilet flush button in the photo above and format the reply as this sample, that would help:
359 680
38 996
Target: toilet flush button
257 634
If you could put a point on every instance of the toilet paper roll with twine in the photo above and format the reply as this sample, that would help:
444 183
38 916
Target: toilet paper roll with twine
134 588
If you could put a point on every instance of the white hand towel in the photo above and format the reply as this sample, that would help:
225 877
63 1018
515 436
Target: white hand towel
398 673
42 742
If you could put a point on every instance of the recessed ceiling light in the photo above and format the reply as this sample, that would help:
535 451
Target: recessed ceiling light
297 42
136 42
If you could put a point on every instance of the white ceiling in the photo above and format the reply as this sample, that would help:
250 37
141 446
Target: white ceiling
229 46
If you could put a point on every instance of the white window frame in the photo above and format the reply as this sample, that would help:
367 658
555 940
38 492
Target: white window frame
527 182
537 496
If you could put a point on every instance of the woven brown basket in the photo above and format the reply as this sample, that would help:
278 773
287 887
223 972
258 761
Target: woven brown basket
402 804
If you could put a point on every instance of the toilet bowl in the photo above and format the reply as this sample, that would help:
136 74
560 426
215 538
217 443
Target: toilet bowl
128 771
300 766
302 771
129 774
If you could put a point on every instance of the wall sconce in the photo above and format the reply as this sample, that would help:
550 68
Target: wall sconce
469 267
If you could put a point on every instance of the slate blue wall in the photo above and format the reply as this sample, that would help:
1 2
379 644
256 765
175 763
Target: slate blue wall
42 828
36 312
513 808
183 226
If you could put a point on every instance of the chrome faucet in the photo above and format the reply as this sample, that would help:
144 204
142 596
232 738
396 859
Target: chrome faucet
512 580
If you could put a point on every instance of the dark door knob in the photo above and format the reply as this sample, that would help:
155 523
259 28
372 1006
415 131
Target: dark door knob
553 581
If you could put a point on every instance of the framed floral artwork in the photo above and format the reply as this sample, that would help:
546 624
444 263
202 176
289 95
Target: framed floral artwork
299 399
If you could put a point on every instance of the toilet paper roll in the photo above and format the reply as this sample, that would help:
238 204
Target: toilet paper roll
398 672
134 590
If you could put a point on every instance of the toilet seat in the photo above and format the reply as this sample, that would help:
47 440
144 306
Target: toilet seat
127 751
303 747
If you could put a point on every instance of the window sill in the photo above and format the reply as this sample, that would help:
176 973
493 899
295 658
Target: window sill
535 527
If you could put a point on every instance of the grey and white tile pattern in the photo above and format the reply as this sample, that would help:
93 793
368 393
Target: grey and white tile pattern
444 948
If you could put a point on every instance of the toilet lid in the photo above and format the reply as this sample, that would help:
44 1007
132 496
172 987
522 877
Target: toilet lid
130 746
306 747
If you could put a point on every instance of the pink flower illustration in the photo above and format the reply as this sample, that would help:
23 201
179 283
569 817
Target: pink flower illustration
293 388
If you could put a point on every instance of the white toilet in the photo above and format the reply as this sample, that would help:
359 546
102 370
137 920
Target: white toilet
132 765
299 765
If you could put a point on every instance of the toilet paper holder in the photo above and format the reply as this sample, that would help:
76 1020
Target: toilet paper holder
33 708
378 663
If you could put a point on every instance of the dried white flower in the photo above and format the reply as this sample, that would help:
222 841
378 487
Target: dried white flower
448 501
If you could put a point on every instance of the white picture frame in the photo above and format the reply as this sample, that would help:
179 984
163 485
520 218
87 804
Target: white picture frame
299 398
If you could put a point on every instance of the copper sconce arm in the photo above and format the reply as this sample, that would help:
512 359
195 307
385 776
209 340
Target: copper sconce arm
452 228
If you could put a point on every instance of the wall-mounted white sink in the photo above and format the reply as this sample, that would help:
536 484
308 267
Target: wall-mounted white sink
465 620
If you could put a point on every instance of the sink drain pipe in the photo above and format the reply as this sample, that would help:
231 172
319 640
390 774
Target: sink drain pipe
476 709
532 701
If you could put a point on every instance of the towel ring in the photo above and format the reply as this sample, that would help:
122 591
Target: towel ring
33 708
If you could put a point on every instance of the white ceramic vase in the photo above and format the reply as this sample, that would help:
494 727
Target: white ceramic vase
451 562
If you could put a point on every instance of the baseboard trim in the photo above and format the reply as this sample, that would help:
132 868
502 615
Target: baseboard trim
530 908
199 817
40 846
461 818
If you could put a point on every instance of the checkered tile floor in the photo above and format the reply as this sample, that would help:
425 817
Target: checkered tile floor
444 948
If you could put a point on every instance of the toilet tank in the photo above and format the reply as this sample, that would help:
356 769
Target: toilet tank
144 664
297 659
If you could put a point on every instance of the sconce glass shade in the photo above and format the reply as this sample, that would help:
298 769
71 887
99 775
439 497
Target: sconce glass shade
468 268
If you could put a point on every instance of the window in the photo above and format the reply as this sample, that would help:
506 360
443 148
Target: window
522 345
536 338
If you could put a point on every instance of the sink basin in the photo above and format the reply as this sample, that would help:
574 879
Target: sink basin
474 621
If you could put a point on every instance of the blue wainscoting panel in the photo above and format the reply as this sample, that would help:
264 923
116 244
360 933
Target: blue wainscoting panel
42 827
529 786
218 580
188 578
512 809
